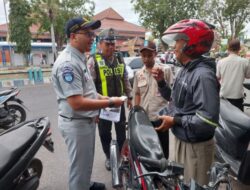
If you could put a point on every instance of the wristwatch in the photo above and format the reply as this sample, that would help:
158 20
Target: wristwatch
111 103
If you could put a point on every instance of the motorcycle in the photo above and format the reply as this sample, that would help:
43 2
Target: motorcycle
233 140
12 109
141 164
19 170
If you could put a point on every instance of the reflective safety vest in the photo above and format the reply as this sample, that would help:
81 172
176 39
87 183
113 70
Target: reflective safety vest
109 79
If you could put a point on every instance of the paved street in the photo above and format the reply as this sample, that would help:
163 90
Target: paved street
41 101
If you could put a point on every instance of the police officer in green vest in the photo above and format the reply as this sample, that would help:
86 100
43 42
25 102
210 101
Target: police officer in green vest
111 79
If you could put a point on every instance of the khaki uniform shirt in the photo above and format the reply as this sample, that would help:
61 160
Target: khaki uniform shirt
232 72
146 85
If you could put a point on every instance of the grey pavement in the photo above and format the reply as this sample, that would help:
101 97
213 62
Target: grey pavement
41 101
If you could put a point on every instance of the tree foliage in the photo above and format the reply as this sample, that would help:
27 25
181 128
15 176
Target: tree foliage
19 25
229 16
58 12
157 15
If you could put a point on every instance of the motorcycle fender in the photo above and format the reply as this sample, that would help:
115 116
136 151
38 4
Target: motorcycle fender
21 103
18 101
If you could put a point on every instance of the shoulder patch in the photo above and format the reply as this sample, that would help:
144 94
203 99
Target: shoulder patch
68 75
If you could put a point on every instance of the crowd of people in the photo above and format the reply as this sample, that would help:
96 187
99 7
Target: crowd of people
84 86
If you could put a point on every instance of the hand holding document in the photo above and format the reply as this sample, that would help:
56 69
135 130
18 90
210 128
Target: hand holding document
124 98
112 114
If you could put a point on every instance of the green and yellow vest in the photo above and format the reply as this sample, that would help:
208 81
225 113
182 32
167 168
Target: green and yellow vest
109 76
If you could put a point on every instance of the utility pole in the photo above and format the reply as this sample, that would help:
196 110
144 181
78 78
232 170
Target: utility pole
52 34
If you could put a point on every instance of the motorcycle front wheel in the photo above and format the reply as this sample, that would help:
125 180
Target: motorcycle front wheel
17 112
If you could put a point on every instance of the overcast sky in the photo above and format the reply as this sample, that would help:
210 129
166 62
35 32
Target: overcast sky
123 7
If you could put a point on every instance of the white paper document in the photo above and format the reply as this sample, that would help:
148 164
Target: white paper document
124 98
111 114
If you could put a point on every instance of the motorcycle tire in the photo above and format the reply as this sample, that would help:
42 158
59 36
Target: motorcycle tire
18 112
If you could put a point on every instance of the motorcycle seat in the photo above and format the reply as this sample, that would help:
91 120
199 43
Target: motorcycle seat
143 137
234 134
235 116
13 144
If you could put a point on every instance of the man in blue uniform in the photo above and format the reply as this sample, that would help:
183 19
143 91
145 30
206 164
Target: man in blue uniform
78 102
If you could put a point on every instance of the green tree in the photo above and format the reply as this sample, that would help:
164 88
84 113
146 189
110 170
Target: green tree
57 12
157 15
19 25
229 16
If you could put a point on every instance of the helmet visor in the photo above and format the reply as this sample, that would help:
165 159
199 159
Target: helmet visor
170 39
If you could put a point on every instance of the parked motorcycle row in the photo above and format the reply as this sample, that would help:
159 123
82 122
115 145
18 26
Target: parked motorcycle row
20 140
12 109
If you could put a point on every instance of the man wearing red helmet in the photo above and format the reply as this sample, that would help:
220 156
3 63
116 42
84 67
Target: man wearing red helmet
194 98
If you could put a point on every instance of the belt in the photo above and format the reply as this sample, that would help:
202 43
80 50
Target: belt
75 118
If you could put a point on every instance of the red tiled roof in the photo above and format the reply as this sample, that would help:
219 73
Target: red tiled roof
121 26
108 14
3 27
111 19
33 29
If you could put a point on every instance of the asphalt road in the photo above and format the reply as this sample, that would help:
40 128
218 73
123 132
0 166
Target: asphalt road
41 101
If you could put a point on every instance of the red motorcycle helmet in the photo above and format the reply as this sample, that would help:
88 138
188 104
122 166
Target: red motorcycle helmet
198 34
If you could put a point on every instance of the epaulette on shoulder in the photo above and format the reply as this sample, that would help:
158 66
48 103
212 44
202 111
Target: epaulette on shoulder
68 57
